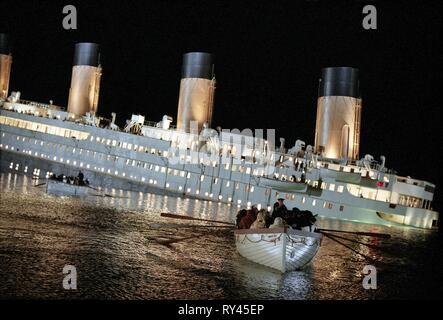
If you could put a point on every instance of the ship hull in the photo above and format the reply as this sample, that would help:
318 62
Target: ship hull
280 249
422 219
40 145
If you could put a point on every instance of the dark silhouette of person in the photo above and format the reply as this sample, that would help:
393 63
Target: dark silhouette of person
280 209
247 220
80 178
240 216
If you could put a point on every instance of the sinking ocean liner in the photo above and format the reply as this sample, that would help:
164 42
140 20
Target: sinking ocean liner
193 160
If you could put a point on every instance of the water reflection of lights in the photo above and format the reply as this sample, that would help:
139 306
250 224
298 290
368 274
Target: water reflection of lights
254 277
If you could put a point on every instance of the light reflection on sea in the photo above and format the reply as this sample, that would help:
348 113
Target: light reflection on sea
115 244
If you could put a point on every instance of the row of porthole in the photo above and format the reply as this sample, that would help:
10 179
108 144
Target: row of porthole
35 173
102 169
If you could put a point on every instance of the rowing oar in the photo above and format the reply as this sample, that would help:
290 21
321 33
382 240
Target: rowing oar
104 194
368 234
99 195
40 184
177 216
181 226
372 246
171 241
330 236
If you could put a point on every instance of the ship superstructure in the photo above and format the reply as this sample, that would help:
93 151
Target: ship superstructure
224 166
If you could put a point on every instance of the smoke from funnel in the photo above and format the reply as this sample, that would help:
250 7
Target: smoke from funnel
85 81
197 86
337 131
5 65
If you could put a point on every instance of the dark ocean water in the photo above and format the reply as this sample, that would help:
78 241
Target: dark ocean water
115 243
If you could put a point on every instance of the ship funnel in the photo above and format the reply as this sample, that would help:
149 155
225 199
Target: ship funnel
5 65
197 86
337 130
85 81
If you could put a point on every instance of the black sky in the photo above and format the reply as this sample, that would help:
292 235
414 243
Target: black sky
268 61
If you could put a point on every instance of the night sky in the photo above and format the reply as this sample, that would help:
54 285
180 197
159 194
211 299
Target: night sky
268 61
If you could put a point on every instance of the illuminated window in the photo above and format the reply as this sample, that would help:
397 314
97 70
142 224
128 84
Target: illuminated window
340 189
331 187
303 200
313 202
